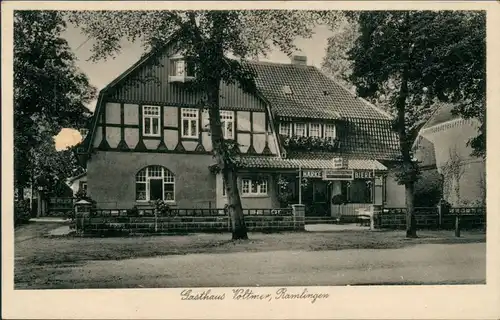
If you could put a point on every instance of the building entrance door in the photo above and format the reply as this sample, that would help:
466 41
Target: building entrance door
321 194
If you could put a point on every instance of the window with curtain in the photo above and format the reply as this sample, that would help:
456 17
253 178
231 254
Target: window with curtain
330 131
189 119
227 123
300 129
286 128
251 187
151 121
315 130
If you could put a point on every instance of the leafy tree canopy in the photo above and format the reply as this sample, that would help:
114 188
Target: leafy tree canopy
50 92
243 34
441 54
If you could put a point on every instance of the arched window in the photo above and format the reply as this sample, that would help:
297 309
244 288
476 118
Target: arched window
155 183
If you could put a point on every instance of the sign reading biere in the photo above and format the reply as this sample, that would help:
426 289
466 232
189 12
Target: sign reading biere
363 174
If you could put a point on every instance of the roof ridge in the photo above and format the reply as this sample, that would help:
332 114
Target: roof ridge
276 63
356 96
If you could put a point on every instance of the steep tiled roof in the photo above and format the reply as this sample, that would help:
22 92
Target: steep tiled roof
313 161
374 138
314 95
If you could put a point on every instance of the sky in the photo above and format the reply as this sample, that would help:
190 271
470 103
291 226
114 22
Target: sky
103 72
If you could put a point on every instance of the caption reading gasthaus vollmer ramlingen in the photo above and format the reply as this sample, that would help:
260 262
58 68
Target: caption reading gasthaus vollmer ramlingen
250 294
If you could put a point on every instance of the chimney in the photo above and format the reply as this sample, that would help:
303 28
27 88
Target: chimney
299 60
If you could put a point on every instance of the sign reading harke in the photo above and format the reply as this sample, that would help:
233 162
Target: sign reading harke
250 294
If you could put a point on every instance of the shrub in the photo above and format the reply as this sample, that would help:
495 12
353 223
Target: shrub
81 194
162 208
134 212
429 189
22 212
339 199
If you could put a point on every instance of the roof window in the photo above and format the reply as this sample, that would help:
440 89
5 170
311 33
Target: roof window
287 90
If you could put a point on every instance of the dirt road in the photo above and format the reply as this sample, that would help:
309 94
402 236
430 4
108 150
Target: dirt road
309 258
423 264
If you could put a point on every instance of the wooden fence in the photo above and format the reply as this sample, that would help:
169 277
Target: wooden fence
433 218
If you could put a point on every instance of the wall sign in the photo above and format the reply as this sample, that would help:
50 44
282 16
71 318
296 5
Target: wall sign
312 174
338 175
338 163
363 174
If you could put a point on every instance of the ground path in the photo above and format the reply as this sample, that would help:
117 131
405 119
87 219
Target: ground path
334 258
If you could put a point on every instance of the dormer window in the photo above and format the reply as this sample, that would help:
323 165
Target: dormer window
315 130
330 131
286 128
181 70
287 90
300 129
179 67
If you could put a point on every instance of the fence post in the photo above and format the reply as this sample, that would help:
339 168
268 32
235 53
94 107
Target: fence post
299 213
375 211
440 216
82 209
457 224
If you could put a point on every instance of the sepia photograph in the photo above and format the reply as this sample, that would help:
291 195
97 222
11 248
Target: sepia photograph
203 149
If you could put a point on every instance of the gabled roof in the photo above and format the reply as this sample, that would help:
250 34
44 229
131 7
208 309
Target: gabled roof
81 175
441 115
142 60
313 94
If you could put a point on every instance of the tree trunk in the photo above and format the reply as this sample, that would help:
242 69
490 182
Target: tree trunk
20 193
223 152
405 147
229 175
238 226
411 223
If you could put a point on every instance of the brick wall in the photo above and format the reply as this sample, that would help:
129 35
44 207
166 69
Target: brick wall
152 225
131 225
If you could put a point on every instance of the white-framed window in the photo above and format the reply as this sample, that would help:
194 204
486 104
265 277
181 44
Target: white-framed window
190 120
151 121
223 188
227 123
155 183
181 67
251 187
315 130
286 128
330 131
300 129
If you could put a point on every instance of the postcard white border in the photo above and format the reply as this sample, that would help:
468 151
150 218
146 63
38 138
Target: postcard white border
387 302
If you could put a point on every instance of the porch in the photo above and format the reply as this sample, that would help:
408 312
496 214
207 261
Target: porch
333 188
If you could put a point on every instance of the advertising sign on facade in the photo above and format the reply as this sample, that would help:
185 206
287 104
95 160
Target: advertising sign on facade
365 174
338 163
312 174
338 175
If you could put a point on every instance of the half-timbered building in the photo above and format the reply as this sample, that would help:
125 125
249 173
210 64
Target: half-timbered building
150 139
